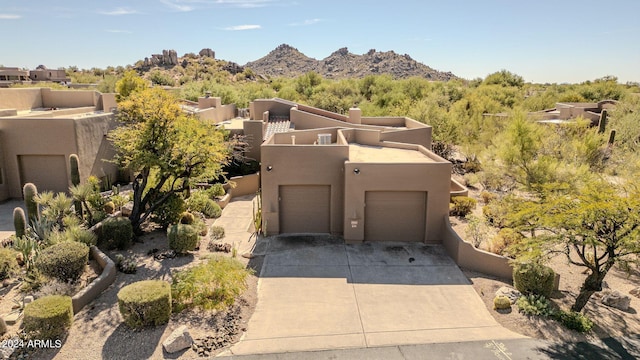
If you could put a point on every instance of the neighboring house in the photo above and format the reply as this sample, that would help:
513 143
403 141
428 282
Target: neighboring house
12 75
366 178
44 74
564 112
40 128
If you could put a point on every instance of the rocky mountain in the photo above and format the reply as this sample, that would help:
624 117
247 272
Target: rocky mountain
287 61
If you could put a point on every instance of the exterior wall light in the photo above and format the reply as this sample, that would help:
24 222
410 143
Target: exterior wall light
356 171
269 168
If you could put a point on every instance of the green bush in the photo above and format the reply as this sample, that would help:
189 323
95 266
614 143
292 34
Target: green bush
216 191
574 321
488 197
533 278
82 235
461 206
169 212
534 305
8 263
116 233
199 201
48 317
501 302
201 226
217 232
145 303
64 261
211 285
182 237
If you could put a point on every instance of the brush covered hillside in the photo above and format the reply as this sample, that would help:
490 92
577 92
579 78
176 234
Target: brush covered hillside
288 61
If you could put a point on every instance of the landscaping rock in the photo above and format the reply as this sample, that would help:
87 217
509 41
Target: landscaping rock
3 327
220 247
6 352
27 299
511 293
635 292
616 300
127 209
179 339
12 318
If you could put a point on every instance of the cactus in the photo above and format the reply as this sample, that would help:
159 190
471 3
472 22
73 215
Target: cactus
30 191
19 222
602 124
74 166
612 137
257 213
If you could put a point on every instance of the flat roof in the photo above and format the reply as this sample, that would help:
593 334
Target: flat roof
384 154
233 124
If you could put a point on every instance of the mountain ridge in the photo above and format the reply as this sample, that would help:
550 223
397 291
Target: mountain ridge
285 60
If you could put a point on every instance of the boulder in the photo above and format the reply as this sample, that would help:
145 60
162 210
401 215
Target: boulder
616 300
179 339
27 299
635 292
207 52
511 293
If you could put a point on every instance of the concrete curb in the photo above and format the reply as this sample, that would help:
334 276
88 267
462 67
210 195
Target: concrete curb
97 286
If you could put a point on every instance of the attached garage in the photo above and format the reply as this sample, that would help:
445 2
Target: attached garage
305 208
47 172
395 215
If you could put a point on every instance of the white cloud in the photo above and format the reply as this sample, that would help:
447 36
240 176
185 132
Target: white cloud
306 22
119 11
243 27
177 6
9 16
245 3
115 31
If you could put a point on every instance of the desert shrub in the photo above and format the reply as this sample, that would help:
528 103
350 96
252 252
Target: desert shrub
169 212
81 235
199 201
505 238
127 265
574 320
216 191
201 226
211 285
116 233
533 278
476 230
534 305
145 303
216 233
8 263
64 261
55 287
182 237
501 302
187 218
461 205
488 197
48 317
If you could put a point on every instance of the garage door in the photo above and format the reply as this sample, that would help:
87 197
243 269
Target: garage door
395 215
305 208
47 172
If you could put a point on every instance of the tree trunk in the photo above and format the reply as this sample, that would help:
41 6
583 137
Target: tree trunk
592 284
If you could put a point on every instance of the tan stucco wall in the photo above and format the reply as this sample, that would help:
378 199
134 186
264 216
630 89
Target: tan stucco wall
219 114
418 136
93 147
33 137
20 99
275 107
430 177
254 133
302 165
245 185
469 257
69 99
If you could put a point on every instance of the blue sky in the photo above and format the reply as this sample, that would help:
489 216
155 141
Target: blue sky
543 41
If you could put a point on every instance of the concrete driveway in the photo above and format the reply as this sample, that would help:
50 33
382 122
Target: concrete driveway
317 293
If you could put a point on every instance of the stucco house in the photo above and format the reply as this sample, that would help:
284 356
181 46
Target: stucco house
40 128
365 178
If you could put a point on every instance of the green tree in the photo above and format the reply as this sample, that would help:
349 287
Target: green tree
165 149
504 78
129 83
518 149
596 226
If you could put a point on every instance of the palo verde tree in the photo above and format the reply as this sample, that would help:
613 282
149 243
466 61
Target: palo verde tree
596 227
166 149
